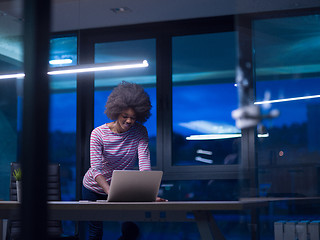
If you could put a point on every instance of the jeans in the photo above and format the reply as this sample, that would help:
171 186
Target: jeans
95 227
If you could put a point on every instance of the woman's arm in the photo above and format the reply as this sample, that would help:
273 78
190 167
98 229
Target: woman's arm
103 183
96 159
144 152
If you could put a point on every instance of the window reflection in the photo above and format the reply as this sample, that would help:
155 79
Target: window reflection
204 96
287 67
200 190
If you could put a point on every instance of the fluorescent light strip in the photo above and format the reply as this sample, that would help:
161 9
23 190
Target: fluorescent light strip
86 68
221 136
204 160
263 135
100 68
213 136
200 151
60 61
14 75
288 99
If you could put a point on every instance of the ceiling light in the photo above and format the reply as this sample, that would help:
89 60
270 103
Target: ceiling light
204 160
99 67
60 61
213 136
200 151
87 68
263 135
14 75
221 136
288 99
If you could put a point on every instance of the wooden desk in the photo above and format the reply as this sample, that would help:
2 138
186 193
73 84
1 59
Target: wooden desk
186 211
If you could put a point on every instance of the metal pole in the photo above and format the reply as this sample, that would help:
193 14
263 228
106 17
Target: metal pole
245 85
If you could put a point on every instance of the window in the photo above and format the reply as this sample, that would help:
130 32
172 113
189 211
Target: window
203 97
287 56
62 118
137 50
62 139
62 114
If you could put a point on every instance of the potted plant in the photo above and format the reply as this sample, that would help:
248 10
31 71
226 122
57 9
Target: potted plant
17 174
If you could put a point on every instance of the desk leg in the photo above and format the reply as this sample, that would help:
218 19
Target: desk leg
207 226
254 226
1 229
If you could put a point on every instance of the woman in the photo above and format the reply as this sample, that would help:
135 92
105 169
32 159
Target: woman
116 145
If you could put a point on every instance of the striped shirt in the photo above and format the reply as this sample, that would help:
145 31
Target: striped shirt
116 151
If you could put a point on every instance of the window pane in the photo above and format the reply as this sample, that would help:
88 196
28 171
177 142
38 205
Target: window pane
287 67
62 114
62 137
105 81
203 97
62 118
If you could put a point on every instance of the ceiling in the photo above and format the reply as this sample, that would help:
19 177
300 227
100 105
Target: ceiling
68 15
83 14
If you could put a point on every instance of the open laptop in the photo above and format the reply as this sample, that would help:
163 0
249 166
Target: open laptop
134 186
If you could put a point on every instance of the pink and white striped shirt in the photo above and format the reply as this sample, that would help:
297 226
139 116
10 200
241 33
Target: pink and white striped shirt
116 151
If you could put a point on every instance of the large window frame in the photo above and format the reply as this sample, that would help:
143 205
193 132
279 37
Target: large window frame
163 33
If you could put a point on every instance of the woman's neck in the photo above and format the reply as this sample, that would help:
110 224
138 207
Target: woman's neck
114 127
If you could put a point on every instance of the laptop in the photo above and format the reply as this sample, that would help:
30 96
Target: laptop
134 186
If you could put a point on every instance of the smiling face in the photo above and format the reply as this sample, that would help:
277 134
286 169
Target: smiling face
126 120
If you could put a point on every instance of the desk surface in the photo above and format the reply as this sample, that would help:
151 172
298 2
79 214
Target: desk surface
153 211
79 210
147 206
84 210
242 204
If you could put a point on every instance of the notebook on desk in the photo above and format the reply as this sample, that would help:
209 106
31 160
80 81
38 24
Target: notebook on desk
134 186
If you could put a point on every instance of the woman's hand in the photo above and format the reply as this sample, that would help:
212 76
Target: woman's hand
103 183
159 199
